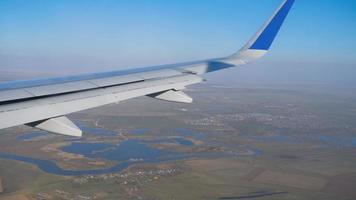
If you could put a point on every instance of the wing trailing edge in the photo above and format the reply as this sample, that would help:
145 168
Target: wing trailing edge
173 96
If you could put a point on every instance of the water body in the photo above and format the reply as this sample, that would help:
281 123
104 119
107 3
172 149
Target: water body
52 168
256 152
124 151
139 131
353 142
184 142
31 136
337 140
128 153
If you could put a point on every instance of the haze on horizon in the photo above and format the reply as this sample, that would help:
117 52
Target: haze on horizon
316 44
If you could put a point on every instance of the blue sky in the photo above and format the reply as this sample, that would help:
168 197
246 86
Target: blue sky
89 35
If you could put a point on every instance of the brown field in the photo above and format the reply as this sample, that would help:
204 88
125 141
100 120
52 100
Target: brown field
299 181
15 197
342 185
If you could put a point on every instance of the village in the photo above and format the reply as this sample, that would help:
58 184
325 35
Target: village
130 179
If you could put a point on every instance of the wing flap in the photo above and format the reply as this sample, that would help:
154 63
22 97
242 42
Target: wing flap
59 125
173 96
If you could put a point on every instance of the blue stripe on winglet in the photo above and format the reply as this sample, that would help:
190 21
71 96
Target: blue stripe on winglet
264 41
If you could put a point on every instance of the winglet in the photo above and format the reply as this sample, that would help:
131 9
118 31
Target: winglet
265 37
261 42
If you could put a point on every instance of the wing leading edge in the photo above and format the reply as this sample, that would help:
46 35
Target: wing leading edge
43 103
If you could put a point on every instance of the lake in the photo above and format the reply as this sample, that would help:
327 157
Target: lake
31 136
125 153
128 153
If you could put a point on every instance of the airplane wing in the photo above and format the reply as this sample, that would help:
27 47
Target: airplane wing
44 103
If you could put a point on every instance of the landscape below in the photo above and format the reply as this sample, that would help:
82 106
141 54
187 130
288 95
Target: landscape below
232 143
